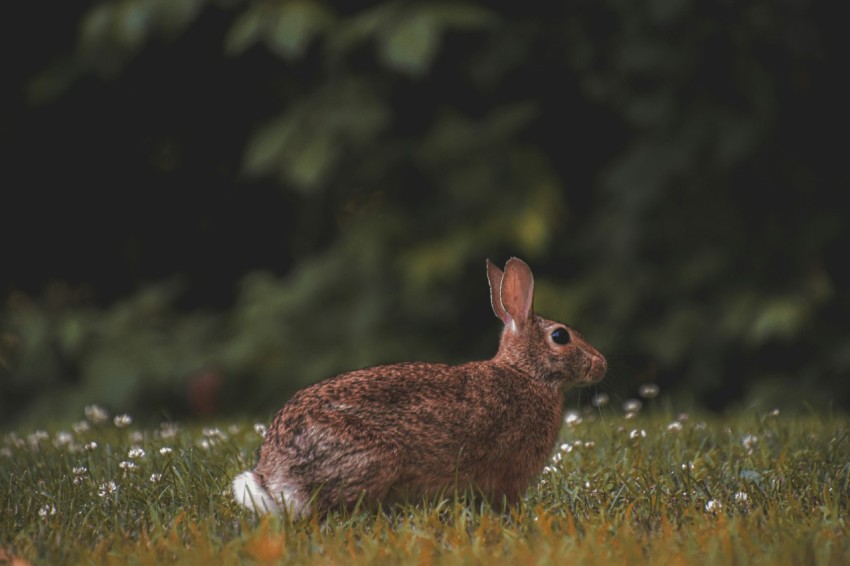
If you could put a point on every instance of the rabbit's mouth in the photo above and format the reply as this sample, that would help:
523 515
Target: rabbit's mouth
595 370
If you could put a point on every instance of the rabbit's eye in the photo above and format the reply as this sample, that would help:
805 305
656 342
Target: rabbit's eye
560 336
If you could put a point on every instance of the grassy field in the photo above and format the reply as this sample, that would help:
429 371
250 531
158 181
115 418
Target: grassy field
758 487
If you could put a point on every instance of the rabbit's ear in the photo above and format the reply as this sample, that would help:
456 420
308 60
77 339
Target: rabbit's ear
494 277
517 291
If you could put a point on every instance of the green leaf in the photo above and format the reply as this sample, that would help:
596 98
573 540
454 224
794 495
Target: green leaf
410 45
267 145
245 31
311 161
462 16
296 24
132 23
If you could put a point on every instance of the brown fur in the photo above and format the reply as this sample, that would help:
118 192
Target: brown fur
413 430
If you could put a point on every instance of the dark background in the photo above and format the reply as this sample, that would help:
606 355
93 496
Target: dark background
209 204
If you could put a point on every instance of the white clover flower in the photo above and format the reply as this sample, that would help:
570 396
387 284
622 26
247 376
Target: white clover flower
136 453
774 413
165 450
168 430
155 478
127 466
682 417
204 443
123 420
80 427
675 426
600 400
589 444
572 418
36 437
566 447
79 474
107 488
632 406
713 506
635 433
556 457
648 390
137 437
90 446
63 438
214 434
549 469
96 414
46 510
742 498
749 442
260 429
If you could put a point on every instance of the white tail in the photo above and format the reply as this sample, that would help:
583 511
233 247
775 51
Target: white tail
248 492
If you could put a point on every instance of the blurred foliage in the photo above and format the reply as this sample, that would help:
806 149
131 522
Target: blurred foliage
294 188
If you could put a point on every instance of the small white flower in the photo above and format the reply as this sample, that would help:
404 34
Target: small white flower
168 430
589 444
742 498
165 450
549 469
682 417
632 406
635 433
556 457
136 453
566 447
675 426
36 437
600 400
214 434
233 429
96 414
774 413
107 488
123 420
63 438
713 506
80 427
689 467
79 474
260 429
700 426
749 442
127 466
46 510
572 418
90 446
137 437
156 477
204 443
648 390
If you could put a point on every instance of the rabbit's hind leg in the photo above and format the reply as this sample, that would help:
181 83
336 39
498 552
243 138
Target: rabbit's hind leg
348 475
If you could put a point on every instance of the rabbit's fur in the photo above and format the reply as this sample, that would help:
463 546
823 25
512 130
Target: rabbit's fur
412 430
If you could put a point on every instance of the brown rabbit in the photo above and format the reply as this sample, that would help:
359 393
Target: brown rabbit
413 430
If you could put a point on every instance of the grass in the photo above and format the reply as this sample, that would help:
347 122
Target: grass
650 489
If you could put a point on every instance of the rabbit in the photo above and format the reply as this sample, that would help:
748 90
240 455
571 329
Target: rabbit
412 430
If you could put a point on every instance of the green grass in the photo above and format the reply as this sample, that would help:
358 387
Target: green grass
751 488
